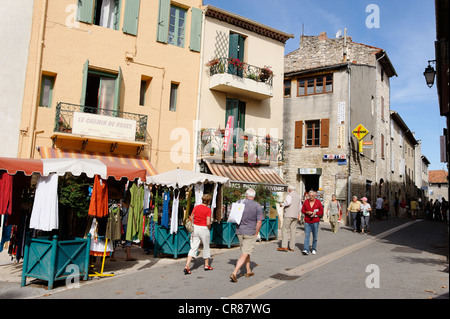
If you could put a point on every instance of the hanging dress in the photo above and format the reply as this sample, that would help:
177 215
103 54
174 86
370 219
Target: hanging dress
174 219
98 206
44 215
135 213
6 187
165 212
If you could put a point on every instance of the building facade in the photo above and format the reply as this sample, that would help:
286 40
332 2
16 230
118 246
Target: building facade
118 77
241 81
438 185
336 117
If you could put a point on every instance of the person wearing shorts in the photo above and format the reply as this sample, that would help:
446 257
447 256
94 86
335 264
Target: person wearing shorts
247 232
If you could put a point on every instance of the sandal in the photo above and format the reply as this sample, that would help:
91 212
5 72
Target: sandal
187 271
208 267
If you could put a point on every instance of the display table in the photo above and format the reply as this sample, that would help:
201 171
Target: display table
224 233
172 244
50 259
269 228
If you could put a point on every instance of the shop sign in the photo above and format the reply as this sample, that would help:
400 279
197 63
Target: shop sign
103 126
310 171
334 157
360 131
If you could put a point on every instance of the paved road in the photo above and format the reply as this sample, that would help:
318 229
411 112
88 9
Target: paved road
400 259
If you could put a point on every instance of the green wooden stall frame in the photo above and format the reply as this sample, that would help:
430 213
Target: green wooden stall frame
224 233
171 244
48 258
269 228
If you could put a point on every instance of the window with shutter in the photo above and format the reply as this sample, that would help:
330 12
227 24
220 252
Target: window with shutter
131 18
298 142
325 133
85 12
163 21
196 30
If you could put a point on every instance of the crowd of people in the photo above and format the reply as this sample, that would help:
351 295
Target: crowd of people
309 211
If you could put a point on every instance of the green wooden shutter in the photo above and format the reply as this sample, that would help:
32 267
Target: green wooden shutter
196 29
85 12
117 6
131 18
242 106
84 82
163 21
117 91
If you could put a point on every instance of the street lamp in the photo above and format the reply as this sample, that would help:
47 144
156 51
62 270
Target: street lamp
429 74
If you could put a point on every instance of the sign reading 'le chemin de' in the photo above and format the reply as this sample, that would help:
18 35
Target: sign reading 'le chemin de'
103 126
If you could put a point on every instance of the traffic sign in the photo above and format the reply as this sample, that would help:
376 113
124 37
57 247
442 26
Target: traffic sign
360 131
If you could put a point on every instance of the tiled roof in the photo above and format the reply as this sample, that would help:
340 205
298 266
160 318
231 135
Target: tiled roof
439 176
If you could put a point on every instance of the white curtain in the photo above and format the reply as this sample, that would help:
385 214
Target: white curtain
107 14
106 94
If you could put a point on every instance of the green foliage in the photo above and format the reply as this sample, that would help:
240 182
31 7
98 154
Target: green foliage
74 194
265 197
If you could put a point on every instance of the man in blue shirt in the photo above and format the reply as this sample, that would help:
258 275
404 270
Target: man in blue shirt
247 232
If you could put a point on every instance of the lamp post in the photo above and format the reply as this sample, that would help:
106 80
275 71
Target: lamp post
430 73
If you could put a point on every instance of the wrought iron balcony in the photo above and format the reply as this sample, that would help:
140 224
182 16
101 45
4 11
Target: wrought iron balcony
234 76
244 147
64 118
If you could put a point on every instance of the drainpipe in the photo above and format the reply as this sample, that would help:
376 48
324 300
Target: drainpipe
349 183
196 124
38 72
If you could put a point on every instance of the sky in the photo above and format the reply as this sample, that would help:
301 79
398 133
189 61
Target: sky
406 30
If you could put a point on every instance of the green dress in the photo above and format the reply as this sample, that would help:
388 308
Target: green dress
135 213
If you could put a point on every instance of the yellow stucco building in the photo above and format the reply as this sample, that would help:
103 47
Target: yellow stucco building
118 77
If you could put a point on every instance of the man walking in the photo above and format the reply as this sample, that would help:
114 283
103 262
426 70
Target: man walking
313 210
292 206
247 232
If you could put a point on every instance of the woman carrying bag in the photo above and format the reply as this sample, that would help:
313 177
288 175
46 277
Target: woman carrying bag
201 218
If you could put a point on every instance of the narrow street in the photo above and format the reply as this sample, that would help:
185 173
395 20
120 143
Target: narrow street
400 259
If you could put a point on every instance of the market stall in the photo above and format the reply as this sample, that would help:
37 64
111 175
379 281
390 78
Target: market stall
171 236
47 256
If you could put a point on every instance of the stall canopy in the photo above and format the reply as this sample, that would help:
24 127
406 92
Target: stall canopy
60 166
179 178
136 161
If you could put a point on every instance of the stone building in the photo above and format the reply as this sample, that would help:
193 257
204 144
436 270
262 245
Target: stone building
438 184
332 89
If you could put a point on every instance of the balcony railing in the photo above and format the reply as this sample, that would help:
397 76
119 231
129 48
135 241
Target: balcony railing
236 67
244 147
65 111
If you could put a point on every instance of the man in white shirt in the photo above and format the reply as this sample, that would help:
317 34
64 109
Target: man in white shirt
379 206
292 208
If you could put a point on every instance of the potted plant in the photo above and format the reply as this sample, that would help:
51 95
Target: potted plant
265 73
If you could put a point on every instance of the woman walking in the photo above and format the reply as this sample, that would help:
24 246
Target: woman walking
201 218
365 215
333 209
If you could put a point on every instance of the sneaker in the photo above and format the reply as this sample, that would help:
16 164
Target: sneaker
305 252
313 251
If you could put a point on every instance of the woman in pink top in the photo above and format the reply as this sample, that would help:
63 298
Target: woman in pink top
201 217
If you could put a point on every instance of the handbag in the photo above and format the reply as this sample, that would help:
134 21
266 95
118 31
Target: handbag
189 223
236 213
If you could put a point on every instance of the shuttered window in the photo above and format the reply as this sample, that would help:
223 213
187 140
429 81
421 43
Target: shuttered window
196 30
131 18
85 12
317 133
325 133
298 139
163 21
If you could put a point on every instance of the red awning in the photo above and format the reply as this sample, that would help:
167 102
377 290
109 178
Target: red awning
60 166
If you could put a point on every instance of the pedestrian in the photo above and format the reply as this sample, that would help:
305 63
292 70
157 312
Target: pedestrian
354 209
292 207
414 206
201 218
379 206
365 215
386 207
247 232
437 209
313 210
396 206
333 210
403 208
444 209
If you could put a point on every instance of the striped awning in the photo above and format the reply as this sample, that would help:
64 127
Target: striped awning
136 161
246 174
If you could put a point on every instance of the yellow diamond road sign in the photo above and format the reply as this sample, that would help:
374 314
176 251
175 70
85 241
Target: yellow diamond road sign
360 131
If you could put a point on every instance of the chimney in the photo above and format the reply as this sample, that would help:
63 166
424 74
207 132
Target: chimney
323 36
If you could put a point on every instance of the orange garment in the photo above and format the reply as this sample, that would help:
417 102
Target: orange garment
99 199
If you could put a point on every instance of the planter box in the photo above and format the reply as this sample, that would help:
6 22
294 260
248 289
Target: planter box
172 244
49 259
224 233
269 228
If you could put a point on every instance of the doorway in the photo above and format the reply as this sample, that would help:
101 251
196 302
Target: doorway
309 182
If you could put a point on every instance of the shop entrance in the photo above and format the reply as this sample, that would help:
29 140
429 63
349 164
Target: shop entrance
309 182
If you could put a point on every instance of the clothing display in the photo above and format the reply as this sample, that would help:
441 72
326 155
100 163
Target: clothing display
44 215
114 224
6 188
135 213
99 200
198 193
174 219
155 212
98 243
165 212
